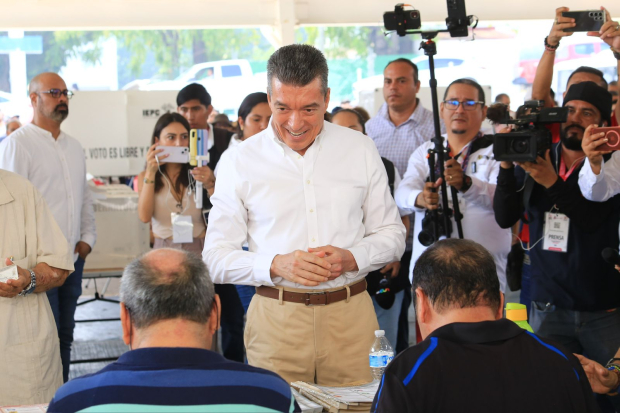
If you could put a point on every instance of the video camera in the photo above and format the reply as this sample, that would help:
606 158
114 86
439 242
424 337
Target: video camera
531 137
431 227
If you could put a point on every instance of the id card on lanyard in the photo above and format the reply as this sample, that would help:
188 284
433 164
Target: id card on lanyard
182 228
556 232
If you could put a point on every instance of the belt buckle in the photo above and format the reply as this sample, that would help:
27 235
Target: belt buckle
315 305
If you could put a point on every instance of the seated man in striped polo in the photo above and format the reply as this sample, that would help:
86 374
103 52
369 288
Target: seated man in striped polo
169 313
471 359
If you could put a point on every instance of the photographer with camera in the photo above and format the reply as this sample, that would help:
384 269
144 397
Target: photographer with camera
574 291
609 33
472 171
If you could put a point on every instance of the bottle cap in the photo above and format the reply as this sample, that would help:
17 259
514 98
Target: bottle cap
516 312
379 333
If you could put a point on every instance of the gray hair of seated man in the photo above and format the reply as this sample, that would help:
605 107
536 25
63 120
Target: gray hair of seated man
297 65
153 295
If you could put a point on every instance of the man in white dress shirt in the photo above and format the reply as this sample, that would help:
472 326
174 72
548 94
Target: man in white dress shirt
473 172
312 201
55 164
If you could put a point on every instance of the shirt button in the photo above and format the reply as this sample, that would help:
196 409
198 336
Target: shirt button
312 210
308 182
298 156
313 239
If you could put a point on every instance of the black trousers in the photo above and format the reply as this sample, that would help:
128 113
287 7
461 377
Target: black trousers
231 321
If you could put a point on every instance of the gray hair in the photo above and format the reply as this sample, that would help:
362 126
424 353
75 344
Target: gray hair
297 65
153 295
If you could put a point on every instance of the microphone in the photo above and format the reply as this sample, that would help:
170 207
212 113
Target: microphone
611 256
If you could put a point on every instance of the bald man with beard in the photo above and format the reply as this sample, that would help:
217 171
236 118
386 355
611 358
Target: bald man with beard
54 163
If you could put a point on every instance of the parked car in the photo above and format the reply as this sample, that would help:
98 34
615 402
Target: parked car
446 70
572 48
227 81
603 60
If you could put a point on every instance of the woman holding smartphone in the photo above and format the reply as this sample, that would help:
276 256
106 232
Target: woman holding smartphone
164 189
254 114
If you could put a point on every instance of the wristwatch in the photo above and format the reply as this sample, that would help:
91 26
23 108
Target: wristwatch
615 369
31 287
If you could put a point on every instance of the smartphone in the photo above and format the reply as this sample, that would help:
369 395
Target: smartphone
586 20
177 154
612 134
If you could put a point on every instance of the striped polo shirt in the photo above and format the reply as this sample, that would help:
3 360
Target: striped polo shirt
175 379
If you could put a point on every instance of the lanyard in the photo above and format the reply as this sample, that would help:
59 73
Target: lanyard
467 151
563 173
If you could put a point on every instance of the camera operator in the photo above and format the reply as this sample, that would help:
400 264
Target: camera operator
574 291
609 33
472 171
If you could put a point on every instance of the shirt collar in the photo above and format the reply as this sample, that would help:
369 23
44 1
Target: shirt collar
416 117
45 132
282 147
478 333
170 356
5 195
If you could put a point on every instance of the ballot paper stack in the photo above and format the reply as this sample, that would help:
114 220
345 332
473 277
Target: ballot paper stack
339 399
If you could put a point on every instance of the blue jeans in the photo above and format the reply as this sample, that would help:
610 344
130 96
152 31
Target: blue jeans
246 292
388 319
63 301
595 334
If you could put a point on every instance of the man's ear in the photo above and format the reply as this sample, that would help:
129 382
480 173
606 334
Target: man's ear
423 309
417 86
33 99
209 110
214 318
327 97
500 310
126 324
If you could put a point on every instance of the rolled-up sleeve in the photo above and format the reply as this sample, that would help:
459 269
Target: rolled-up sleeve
384 238
603 186
413 182
227 231
88 227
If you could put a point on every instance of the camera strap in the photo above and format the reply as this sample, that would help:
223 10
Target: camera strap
528 187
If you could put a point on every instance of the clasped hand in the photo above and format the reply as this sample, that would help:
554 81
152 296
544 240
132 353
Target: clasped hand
316 266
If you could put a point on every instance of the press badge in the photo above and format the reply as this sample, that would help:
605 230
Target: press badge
8 273
182 228
556 232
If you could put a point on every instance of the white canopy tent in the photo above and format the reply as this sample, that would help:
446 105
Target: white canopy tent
281 16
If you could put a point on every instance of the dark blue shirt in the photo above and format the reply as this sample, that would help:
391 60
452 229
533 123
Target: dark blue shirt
181 379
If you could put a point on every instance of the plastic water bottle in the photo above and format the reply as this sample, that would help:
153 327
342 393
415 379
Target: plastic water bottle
518 314
381 353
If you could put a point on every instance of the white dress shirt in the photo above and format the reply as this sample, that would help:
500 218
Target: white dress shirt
57 168
603 186
336 194
476 204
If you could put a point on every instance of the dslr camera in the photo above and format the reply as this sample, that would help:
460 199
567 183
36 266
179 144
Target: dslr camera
531 137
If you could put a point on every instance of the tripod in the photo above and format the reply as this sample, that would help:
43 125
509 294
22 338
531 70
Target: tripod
438 152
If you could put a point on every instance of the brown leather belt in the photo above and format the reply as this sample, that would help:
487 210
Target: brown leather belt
312 298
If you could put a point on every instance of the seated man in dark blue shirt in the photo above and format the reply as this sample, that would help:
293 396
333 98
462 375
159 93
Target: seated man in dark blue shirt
169 313
472 360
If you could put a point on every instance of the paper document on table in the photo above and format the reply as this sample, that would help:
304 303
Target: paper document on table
334 399
35 408
307 405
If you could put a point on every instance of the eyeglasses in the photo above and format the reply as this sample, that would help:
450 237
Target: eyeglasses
467 104
55 93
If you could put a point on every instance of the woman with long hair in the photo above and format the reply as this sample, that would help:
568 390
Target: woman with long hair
166 189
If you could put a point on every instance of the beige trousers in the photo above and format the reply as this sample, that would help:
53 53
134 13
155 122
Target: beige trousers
327 345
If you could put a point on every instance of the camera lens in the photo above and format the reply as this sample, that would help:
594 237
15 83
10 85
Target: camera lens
426 238
520 146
